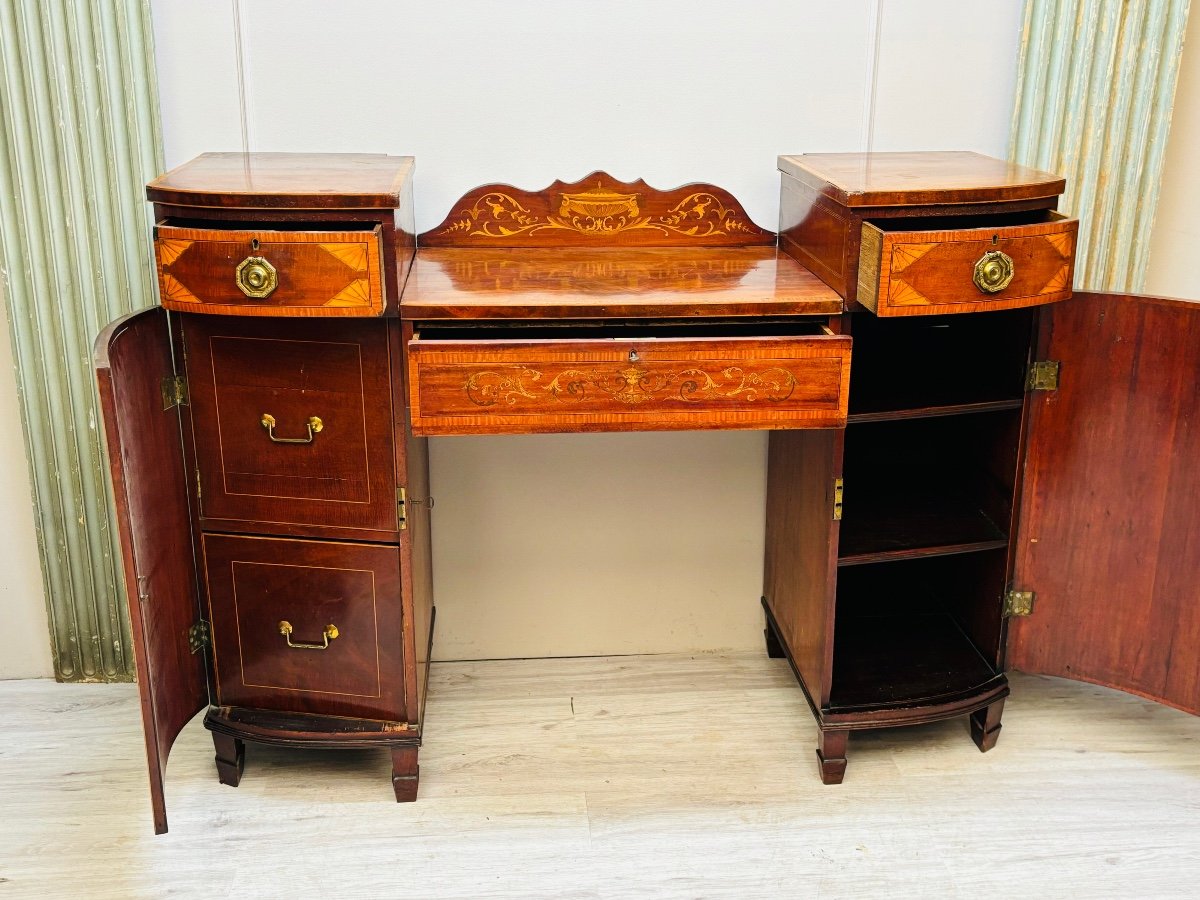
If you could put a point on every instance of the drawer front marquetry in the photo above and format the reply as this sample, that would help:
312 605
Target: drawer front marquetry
964 270
306 626
270 273
460 387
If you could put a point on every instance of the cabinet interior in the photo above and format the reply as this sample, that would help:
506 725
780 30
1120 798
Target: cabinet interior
909 366
916 630
929 467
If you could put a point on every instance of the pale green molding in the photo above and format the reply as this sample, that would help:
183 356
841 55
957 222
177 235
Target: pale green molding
80 129
1095 90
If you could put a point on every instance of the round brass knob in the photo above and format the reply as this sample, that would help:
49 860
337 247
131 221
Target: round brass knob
256 277
993 272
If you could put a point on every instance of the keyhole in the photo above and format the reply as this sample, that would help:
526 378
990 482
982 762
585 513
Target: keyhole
254 244
633 356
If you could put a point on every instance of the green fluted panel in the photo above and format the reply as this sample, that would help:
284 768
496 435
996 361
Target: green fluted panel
1095 91
80 128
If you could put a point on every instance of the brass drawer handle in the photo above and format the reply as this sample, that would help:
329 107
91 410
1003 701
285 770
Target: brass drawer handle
330 632
314 425
256 277
993 272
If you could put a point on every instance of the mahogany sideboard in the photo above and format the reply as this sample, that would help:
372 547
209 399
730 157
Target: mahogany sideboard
1004 477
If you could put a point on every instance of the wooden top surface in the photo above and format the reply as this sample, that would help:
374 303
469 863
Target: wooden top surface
897 179
617 282
285 181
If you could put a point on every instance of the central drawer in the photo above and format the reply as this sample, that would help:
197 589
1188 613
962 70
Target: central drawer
497 380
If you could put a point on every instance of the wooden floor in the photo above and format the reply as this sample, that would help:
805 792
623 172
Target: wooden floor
648 776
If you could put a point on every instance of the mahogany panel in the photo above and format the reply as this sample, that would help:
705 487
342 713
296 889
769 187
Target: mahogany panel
286 181
674 282
342 478
319 273
801 551
1109 536
133 356
817 232
597 211
906 272
255 583
480 386
924 177
416 539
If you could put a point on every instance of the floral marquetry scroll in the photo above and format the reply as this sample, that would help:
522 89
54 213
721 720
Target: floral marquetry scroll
630 385
606 384
597 211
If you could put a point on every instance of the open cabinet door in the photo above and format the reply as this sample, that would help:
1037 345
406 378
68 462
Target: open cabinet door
1109 536
133 356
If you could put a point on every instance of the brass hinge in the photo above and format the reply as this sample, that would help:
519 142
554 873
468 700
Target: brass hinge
1042 375
198 636
174 391
401 512
199 492
837 499
1018 603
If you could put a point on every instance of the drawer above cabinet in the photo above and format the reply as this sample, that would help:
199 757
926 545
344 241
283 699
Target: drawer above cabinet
270 272
605 377
292 426
922 266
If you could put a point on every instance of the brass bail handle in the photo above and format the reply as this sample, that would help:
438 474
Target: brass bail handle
314 425
330 632
993 272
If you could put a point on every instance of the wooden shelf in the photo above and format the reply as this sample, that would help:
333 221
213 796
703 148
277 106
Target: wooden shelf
903 659
879 528
929 412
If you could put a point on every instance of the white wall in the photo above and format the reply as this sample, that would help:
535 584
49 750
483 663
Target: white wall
566 544
26 651
576 544
1172 269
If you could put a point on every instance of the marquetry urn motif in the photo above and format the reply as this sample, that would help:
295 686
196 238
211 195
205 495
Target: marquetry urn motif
597 210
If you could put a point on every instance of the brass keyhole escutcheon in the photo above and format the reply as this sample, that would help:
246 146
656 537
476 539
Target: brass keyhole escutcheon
256 277
993 272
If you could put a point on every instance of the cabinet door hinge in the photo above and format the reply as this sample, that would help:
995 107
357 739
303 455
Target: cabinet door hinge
401 512
174 391
199 491
1042 375
837 499
1018 603
199 636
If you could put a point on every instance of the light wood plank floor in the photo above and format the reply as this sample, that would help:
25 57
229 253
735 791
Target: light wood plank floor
651 776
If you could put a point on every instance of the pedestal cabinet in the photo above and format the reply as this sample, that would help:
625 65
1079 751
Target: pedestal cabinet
1017 484
270 496
1004 476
